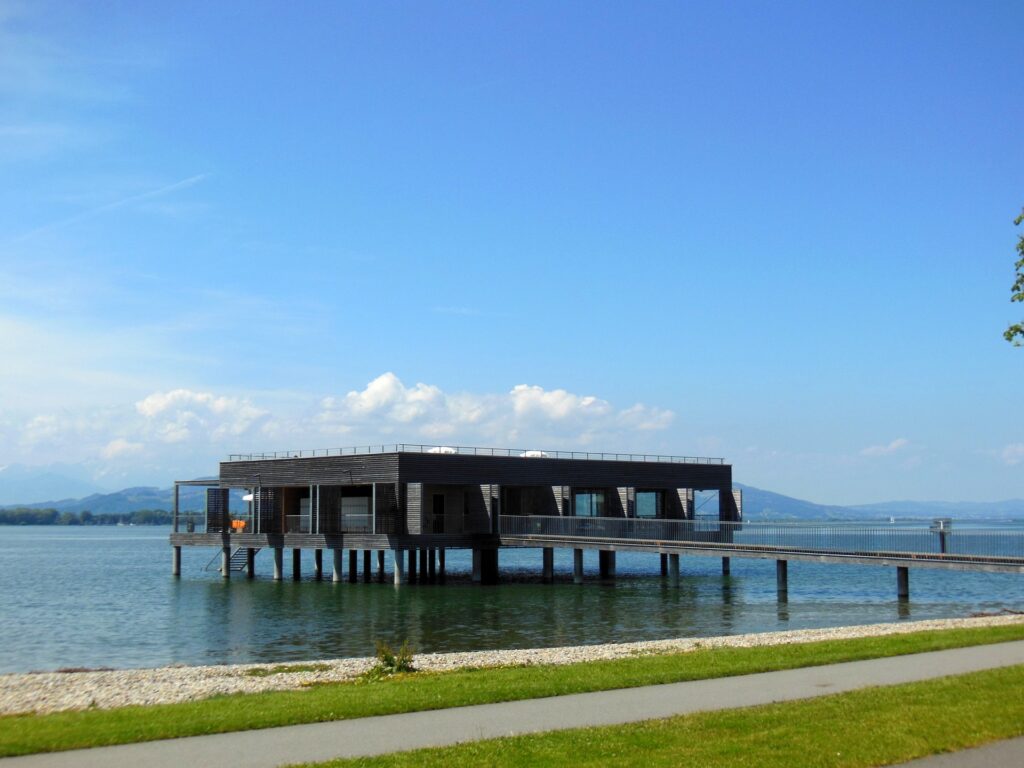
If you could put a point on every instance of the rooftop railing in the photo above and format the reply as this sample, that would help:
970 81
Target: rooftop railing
462 450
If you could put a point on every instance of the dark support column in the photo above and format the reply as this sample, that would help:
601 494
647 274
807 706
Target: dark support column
440 563
664 564
423 565
336 564
250 563
175 561
726 566
432 564
353 565
399 558
367 565
296 564
278 563
489 569
380 564
412 566
577 566
225 561
782 577
902 582
318 564
673 569
476 566
606 563
549 564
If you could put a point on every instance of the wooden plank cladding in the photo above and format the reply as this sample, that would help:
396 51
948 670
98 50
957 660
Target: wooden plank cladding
458 469
326 470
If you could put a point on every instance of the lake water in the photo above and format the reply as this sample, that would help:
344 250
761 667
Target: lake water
103 596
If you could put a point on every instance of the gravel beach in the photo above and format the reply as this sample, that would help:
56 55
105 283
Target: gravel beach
45 692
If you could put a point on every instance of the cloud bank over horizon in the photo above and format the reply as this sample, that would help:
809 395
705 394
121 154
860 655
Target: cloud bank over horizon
179 429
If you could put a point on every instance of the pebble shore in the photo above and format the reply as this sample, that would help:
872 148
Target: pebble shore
45 692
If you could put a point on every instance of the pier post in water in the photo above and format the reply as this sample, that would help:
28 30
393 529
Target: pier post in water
250 563
318 564
412 566
423 565
440 563
353 565
336 564
902 582
726 566
278 563
432 564
380 564
225 561
673 570
606 563
175 561
577 566
549 564
782 577
399 558
367 566
664 565
476 566
296 564
489 566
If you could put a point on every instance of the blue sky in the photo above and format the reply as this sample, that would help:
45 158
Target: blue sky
775 232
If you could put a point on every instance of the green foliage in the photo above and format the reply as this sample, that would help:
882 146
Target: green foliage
32 516
28 734
390 661
1015 333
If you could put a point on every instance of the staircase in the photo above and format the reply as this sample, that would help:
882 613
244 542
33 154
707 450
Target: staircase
239 559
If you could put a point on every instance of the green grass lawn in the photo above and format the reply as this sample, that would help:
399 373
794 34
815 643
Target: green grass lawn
876 726
25 734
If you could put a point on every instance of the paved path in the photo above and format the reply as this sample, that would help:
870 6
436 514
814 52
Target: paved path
391 733
998 754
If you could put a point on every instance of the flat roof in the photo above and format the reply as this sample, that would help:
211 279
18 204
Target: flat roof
462 450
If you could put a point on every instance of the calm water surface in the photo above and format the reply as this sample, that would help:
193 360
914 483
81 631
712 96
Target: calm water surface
91 597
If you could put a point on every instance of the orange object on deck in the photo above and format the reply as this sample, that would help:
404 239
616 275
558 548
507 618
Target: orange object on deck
237 524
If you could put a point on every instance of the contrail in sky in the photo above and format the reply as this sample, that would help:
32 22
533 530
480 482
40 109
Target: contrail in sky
183 184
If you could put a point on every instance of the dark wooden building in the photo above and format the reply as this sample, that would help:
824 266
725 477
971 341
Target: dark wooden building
410 498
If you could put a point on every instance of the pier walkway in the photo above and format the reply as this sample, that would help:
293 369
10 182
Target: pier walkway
274 747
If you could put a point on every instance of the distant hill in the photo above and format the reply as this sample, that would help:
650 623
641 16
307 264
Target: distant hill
1011 508
766 505
758 504
128 500
21 484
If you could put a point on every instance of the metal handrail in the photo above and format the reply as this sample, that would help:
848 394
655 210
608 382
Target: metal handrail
462 450
849 539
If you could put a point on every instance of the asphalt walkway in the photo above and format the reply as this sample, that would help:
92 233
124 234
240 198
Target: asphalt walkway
274 747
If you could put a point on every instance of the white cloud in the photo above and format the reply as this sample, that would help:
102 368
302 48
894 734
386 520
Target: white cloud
526 413
1013 454
177 415
183 430
119 447
886 450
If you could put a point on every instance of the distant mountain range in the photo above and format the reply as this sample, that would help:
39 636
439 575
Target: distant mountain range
19 483
757 505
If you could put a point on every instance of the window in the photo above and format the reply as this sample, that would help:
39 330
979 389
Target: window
648 504
589 504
